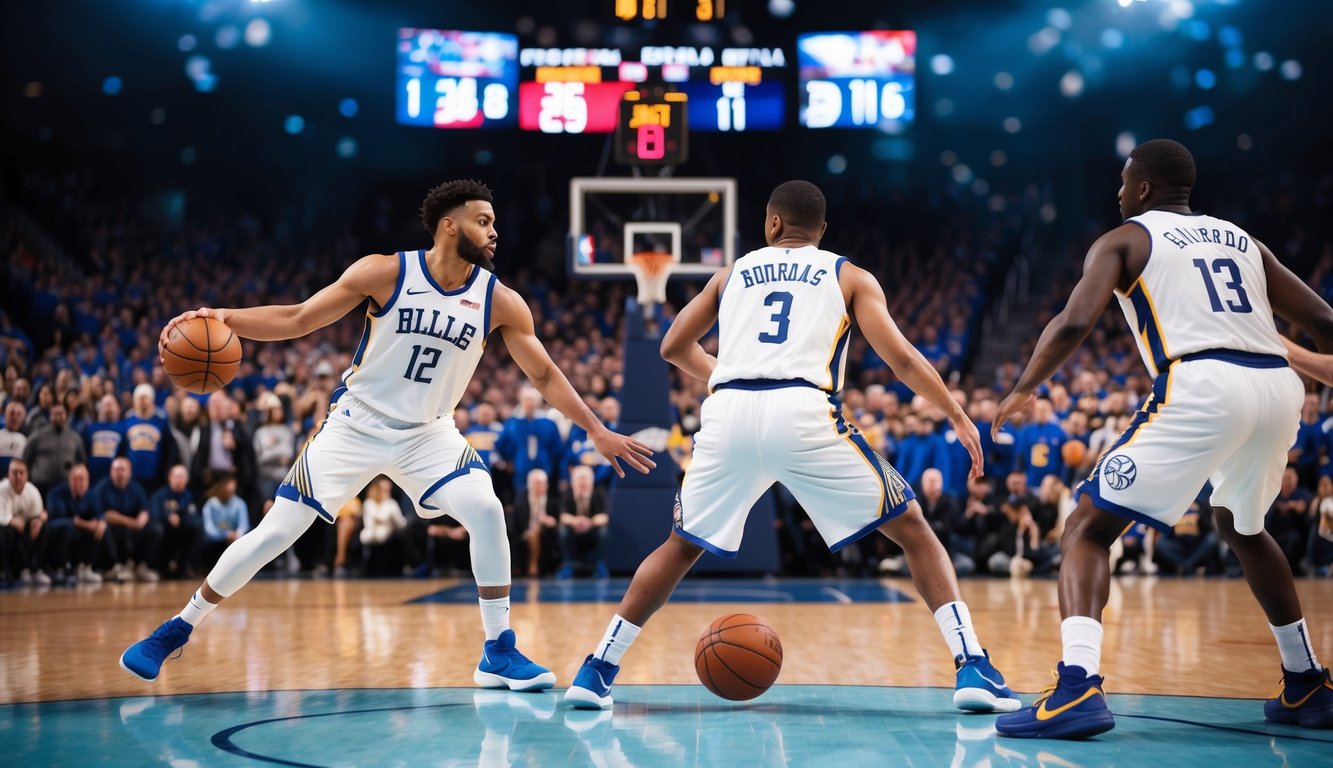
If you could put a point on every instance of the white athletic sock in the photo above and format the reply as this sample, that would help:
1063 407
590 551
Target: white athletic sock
1082 637
494 616
195 610
1293 642
619 634
956 625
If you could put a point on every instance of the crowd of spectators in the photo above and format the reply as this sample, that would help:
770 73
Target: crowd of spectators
114 474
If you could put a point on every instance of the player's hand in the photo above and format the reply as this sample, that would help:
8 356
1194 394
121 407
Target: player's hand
616 447
217 314
971 439
1011 406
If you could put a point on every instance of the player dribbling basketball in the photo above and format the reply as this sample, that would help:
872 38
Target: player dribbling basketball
429 315
774 416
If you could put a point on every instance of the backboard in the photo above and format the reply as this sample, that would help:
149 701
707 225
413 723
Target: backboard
694 220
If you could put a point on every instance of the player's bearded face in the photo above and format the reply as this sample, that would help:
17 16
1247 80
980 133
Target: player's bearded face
474 253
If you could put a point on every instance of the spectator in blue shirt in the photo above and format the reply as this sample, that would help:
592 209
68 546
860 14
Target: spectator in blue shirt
530 441
482 433
581 452
77 528
921 449
1039 443
135 535
173 508
104 438
150 445
1305 453
226 519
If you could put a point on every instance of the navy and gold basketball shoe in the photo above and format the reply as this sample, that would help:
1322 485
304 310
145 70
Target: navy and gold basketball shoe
1074 707
502 666
979 686
1304 699
144 659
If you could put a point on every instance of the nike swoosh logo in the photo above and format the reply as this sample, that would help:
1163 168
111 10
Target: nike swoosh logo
992 682
1044 714
602 681
1301 703
411 292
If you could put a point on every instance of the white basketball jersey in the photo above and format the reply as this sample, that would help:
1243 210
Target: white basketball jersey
419 351
1204 288
782 316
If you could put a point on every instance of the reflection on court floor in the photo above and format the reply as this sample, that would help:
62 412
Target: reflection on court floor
651 726
690 591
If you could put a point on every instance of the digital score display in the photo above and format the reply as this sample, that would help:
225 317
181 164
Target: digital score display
652 129
857 79
453 79
729 89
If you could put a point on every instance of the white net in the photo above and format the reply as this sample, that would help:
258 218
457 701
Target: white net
651 270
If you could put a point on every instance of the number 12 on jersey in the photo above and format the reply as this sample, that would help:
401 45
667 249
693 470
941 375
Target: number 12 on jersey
429 356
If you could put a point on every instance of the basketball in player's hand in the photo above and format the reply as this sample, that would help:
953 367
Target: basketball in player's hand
201 355
738 657
1074 452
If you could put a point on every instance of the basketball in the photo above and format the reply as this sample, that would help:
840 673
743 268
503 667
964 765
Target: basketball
738 657
1074 452
201 355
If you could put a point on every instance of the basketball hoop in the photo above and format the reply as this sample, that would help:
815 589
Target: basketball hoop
651 270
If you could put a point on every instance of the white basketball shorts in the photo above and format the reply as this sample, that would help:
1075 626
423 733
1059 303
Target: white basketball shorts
356 443
757 433
1211 417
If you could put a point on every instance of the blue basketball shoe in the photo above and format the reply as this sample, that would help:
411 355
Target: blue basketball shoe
502 666
1073 707
980 686
1304 699
144 659
591 688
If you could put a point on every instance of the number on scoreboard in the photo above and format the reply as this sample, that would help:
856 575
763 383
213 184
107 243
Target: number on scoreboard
652 131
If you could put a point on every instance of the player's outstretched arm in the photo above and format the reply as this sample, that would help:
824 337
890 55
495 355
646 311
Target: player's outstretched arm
680 345
867 303
1313 364
1102 271
372 276
514 320
1296 302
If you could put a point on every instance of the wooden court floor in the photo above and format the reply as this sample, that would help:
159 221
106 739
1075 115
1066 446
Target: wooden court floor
1164 636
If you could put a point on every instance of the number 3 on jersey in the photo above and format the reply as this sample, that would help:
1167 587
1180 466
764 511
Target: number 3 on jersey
430 357
782 317
1241 302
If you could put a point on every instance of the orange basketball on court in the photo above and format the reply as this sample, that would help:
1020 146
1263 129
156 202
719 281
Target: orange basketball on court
738 657
201 355
1074 452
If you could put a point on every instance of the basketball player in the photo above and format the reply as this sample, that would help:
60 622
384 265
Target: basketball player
1199 294
774 416
426 325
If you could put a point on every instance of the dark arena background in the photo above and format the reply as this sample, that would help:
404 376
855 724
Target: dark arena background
165 155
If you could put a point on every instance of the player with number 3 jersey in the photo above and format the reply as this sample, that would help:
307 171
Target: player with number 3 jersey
785 314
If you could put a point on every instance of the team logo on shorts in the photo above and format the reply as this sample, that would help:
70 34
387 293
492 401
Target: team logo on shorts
679 517
1120 472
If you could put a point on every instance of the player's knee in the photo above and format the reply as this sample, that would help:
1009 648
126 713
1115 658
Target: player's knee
683 548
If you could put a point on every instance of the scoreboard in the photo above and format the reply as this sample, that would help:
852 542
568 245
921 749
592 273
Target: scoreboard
458 79
577 90
857 79
450 79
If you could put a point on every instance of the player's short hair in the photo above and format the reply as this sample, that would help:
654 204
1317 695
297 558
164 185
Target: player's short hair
799 203
1163 163
448 196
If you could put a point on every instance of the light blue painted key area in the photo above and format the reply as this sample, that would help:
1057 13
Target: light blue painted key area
843 727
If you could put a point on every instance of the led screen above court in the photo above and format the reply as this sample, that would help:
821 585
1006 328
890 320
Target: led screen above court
453 79
857 79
